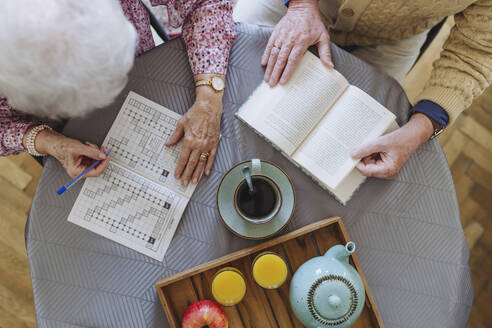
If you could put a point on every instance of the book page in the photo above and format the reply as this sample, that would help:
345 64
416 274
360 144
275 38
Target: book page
287 113
355 119
346 188
129 209
137 139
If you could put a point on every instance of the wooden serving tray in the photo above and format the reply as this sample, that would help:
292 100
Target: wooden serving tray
261 307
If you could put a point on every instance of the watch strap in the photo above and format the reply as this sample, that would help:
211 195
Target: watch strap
203 82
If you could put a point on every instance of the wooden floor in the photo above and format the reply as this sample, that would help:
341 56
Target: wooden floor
18 179
467 144
468 148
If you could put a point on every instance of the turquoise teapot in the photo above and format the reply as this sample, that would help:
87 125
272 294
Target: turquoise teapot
327 291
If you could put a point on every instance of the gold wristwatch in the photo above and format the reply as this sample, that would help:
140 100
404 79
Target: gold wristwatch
215 82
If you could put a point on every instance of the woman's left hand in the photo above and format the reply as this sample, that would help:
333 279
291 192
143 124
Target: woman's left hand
200 127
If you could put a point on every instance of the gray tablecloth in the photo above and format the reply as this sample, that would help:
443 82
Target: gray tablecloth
409 238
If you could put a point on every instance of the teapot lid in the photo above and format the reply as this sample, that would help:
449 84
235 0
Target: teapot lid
332 299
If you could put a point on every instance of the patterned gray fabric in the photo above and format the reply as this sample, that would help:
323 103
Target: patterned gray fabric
408 233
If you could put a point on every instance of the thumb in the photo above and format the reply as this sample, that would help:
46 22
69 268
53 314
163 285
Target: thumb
88 151
176 136
324 50
367 149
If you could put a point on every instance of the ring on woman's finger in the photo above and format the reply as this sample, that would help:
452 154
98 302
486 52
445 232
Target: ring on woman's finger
276 46
204 156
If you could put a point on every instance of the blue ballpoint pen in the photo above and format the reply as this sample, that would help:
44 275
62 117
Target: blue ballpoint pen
71 183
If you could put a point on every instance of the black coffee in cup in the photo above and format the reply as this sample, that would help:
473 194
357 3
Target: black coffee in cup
259 203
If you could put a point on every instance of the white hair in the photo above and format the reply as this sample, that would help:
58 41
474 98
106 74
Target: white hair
64 58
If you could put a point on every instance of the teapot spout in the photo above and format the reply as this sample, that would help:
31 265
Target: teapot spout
341 252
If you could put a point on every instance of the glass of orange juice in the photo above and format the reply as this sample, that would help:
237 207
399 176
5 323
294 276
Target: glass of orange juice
228 286
269 270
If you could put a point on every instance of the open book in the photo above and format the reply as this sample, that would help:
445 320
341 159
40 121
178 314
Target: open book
137 202
315 120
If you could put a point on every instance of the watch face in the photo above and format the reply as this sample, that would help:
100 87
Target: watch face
218 83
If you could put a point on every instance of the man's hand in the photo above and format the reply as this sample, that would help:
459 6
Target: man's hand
385 156
200 127
75 156
300 28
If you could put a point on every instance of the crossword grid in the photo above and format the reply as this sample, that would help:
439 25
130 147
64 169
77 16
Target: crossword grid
144 151
136 202
128 206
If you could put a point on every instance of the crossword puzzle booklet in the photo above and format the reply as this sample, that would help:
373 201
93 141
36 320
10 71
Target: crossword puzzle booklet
137 202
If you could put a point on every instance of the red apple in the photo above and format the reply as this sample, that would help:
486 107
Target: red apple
204 314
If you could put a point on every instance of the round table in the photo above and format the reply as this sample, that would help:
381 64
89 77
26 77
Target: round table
410 242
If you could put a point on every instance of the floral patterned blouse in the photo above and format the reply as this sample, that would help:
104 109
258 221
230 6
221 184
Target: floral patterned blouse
207 30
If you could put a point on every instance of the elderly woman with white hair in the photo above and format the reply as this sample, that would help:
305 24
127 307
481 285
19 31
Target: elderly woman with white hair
65 58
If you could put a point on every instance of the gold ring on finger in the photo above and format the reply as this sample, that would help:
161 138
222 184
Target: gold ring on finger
204 156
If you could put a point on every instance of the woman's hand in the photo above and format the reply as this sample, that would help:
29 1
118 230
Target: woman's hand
200 127
300 28
75 156
384 156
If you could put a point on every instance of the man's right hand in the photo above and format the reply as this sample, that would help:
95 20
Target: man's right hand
300 28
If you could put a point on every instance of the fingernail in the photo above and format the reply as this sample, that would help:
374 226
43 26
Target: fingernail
185 183
195 180
102 155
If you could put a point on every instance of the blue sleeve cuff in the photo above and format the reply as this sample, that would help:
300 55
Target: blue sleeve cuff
432 110
286 2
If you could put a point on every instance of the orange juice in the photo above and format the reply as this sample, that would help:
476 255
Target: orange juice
228 286
269 270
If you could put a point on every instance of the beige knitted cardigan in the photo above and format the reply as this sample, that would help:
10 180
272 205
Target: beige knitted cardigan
464 68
